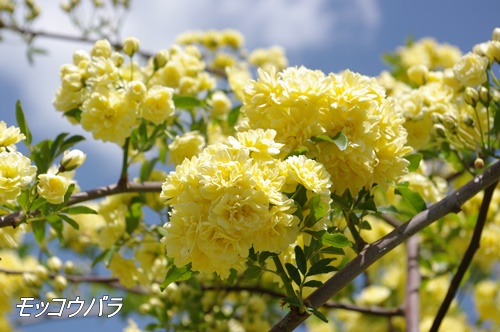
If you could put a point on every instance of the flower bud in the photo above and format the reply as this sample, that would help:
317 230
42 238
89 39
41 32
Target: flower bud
144 308
130 46
496 34
69 267
117 59
51 296
471 96
160 59
54 263
479 163
31 279
41 272
484 95
60 282
418 74
72 159
440 131
450 123
101 48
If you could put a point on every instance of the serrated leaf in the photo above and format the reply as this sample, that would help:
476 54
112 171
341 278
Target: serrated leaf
70 221
412 199
38 227
79 209
313 283
233 115
293 273
186 102
414 160
176 274
300 258
22 124
252 272
104 256
336 240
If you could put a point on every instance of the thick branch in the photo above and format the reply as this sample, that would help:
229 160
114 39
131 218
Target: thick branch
14 219
372 252
412 300
467 259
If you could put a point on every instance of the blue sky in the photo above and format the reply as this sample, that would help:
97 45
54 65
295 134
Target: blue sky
330 35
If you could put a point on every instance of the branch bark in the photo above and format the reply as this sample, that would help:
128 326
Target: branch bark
412 299
467 259
372 252
14 219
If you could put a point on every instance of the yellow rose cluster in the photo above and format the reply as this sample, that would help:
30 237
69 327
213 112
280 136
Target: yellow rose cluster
231 197
301 104
110 98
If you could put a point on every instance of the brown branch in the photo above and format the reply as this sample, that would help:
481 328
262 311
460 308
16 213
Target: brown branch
412 299
467 259
375 311
372 252
14 219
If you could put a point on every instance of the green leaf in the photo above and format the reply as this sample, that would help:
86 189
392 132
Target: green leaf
412 199
133 216
186 102
496 119
337 240
414 160
105 257
333 251
146 169
293 273
317 314
233 115
368 205
293 301
313 284
70 142
451 155
79 209
21 122
340 140
322 266
341 202
299 152
264 255
70 221
75 113
176 274
300 258
252 272
38 227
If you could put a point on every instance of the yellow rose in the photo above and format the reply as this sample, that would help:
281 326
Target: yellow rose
52 187
470 70
72 159
158 104
9 136
186 146
16 173
130 46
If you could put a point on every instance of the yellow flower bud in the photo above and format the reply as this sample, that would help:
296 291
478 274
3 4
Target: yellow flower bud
72 159
117 59
484 95
54 263
471 96
101 48
52 187
496 34
41 272
69 267
51 296
130 46
31 279
60 282
479 163
418 74
160 59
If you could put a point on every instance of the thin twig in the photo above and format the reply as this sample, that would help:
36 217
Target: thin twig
412 299
467 259
14 219
373 252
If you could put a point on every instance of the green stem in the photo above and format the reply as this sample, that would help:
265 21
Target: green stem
284 278
124 173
